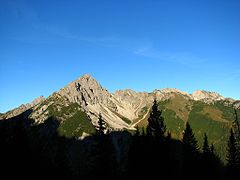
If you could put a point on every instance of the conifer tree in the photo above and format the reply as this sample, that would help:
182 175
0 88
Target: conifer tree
156 126
101 126
190 151
232 157
212 149
209 162
215 155
206 150
233 169
189 138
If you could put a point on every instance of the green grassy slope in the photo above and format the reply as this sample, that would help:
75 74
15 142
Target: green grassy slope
73 121
217 130
213 119
76 125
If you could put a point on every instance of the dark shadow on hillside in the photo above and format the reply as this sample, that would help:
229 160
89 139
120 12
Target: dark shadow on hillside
38 152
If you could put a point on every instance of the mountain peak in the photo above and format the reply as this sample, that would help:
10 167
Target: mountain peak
87 77
207 95
84 91
84 79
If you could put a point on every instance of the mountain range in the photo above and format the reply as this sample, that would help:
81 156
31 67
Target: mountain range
78 105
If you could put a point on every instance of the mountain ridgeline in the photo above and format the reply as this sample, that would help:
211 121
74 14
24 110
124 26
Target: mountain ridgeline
77 107
84 132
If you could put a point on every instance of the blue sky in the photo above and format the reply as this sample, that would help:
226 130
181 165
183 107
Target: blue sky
142 45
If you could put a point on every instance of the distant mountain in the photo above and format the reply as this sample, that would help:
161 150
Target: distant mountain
77 107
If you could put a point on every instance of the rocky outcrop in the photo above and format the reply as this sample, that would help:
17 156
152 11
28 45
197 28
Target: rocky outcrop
207 97
86 90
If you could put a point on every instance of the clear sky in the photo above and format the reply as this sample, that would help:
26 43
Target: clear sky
137 44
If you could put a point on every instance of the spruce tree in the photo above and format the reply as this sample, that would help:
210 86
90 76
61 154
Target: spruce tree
232 157
212 149
189 139
101 126
156 126
190 152
215 155
209 163
233 170
206 150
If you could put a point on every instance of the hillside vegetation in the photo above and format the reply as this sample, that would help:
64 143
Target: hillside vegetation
213 119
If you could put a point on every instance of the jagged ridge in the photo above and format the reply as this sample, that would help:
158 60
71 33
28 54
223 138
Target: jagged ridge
121 110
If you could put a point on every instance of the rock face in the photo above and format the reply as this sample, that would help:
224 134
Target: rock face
130 103
206 96
93 99
86 90
120 110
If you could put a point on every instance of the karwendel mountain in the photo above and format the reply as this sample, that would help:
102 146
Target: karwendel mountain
120 89
78 105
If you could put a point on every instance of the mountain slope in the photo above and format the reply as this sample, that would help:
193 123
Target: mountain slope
215 119
78 105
